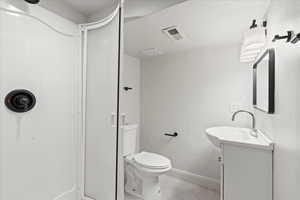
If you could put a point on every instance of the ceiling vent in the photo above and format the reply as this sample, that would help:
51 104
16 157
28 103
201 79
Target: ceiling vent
173 33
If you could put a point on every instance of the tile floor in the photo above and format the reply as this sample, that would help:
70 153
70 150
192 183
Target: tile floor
176 189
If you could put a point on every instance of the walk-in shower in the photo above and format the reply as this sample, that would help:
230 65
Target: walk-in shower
59 90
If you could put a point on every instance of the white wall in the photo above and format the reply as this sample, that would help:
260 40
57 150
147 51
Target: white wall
189 92
284 125
130 77
130 100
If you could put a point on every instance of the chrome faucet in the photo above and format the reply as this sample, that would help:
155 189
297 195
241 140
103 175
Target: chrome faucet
254 130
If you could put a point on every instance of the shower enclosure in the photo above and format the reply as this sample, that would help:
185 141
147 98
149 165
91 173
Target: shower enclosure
66 146
101 43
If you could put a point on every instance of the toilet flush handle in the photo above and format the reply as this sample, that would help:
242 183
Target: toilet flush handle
123 119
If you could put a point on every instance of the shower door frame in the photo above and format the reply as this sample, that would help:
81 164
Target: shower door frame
84 28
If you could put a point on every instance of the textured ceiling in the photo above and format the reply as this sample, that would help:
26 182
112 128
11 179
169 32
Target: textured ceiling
81 11
89 7
133 8
202 22
139 8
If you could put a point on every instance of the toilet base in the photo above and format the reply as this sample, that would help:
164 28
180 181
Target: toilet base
146 187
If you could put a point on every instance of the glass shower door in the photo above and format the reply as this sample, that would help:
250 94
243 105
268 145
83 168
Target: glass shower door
101 105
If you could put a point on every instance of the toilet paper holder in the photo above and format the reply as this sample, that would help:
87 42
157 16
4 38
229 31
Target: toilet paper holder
171 135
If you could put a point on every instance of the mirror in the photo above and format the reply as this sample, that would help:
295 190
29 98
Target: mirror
264 82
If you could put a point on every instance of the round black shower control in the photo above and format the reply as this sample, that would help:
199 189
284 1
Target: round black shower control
33 1
20 100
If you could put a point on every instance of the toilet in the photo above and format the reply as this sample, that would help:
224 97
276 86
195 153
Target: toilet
142 170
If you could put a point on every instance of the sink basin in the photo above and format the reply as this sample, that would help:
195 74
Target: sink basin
238 136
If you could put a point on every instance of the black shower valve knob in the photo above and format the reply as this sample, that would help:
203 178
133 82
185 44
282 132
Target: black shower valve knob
33 1
20 100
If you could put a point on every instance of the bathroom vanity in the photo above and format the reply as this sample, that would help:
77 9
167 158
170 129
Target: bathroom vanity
246 163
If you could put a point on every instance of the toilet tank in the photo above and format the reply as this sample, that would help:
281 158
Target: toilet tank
129 139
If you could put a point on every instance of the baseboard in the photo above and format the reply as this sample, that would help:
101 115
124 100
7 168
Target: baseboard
203 181
67 195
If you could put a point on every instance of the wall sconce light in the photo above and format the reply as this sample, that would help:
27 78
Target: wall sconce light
296 38
288 37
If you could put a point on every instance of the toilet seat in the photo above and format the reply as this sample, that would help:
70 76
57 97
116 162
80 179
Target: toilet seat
152 160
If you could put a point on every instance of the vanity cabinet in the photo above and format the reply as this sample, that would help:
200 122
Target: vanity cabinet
246 173
246 163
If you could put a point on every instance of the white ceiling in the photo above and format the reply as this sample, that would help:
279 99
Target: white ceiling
81 11
133 8
203 22
139 8
90 7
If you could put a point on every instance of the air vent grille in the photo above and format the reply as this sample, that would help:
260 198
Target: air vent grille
173 33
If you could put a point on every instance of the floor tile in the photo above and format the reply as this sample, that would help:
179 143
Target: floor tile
177 189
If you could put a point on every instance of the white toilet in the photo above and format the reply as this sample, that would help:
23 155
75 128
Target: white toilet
142 170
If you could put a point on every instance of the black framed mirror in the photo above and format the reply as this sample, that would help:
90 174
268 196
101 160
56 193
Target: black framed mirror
264 82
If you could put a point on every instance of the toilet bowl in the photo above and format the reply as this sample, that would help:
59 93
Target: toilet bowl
142 171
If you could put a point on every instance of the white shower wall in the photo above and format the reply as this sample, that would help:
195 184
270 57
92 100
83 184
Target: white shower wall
38 149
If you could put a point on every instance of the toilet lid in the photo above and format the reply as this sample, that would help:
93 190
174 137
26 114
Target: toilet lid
152 160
